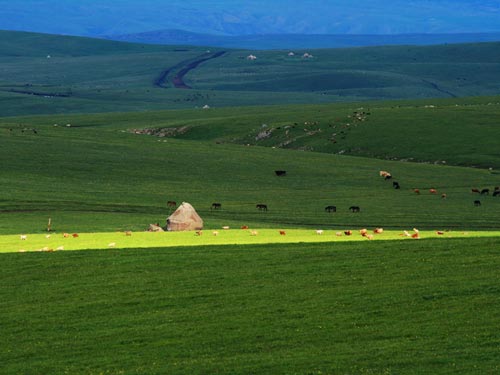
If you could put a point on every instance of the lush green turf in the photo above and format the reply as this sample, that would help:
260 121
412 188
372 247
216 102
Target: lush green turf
104 76
391 307
340 306
97 176
216 236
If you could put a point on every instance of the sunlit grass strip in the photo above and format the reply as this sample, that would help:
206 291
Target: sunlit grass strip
120 240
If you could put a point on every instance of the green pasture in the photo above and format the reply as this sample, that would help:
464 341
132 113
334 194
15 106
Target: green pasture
373 307
237 303
124 240
104 76
97 176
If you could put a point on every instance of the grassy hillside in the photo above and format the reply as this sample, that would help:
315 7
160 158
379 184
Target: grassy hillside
86 75
96 175
404 307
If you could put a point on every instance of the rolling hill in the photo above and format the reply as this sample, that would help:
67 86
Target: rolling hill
117 171
53 74
299 41
389 306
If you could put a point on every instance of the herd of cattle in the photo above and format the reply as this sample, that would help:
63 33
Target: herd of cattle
386 175
496 191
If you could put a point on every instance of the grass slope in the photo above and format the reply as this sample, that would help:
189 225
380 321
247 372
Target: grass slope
97 176
404 307
86 75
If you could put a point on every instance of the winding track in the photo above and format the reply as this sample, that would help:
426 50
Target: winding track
436 87
184 67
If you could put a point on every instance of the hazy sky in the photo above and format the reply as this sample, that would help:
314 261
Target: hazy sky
233 17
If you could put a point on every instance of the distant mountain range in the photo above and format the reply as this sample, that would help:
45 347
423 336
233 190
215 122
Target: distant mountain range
97 18
291 41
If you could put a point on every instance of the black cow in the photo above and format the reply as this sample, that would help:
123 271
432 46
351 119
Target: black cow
261 207
477 203
331 209
395 185
496 192
216 206
280 173
485 192
354 209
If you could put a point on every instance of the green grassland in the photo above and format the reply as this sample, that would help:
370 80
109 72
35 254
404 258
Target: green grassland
235 303
387 307
98 176
88 75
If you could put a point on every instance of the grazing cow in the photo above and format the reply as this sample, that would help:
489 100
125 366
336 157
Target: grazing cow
261 207
477 203
443 196
23 237
378 230
216 206
385 174
363 232
395 185
244 227
128 233
319 231
330 209
416 191
485 192
282 233
280 173
199 233
433 191
171 204
354 209
254 233
347 232
112 244
75 235
496 192
65 235
215 233
475 191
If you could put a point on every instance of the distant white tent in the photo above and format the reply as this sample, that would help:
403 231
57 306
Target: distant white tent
184 218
